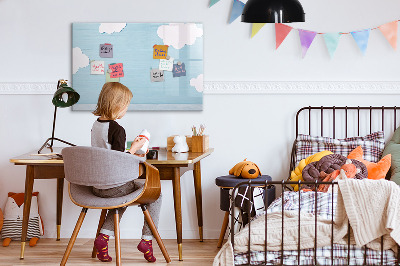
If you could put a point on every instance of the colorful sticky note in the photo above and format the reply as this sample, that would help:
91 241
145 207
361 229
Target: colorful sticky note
156 75
179 70
97 67
110 79
166 64
160 51
117 70
106 50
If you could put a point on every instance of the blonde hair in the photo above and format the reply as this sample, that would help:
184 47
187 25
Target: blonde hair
113 97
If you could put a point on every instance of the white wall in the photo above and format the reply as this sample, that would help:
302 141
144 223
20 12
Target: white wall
35 45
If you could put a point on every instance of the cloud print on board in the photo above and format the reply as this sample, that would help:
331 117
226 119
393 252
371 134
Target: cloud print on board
80 60
197 83
178 35
111 27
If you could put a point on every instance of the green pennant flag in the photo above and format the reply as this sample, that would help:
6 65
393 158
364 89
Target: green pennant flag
213 2
332 41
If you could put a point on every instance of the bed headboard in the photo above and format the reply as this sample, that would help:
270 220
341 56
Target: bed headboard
344 121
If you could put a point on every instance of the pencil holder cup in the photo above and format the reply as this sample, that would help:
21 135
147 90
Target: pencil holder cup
200 143
152 155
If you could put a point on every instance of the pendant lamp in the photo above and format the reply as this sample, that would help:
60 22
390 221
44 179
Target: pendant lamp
63 97
273 11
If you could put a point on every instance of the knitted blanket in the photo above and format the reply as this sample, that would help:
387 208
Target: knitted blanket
274 235
371 207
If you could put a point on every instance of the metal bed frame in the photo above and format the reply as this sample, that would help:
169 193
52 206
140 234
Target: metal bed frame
283 184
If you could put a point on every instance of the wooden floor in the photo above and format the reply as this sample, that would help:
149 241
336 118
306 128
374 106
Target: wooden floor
50 252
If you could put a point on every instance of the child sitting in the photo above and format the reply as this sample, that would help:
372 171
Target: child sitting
106 133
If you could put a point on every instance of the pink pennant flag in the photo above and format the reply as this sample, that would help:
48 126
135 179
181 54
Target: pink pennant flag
389 30
281 31
306 39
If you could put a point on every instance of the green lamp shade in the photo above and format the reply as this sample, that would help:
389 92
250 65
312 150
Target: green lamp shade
65 96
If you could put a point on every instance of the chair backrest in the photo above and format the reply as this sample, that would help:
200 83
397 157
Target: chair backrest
92 166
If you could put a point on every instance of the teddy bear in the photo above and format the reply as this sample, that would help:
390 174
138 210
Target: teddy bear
245 169
180 144
13 215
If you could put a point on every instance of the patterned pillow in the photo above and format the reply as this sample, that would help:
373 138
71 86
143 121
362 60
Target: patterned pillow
372 144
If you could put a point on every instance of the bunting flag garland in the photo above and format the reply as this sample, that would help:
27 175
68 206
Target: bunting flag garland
256 27
213 2
361 37
306 39
332 41
237 9
281 31
389 30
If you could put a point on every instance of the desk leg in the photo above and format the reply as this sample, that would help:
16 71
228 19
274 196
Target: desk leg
199 204
60 190
176 182
27 206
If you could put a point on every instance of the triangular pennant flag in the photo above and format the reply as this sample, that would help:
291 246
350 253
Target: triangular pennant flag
237 9
213 2
281 31
256 27
306 39
361 37
389 30
332 41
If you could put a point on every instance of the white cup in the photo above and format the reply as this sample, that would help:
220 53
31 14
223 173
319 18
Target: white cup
144 134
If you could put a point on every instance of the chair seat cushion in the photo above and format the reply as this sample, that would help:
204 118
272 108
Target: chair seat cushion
83 195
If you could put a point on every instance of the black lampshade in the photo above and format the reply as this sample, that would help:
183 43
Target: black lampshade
62 101
273 11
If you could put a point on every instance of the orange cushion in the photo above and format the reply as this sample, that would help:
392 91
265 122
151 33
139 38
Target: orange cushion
375 170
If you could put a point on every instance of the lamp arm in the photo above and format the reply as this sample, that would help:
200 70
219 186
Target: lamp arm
54 126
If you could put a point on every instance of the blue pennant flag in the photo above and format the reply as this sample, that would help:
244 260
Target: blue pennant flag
332 41
361 38
213 2
237 9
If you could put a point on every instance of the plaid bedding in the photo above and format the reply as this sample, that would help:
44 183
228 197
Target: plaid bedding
323 207
340 253
372 145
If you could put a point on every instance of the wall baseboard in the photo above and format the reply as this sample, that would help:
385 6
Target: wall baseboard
247 87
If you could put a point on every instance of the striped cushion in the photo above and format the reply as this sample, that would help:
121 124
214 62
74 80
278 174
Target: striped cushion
372 145
13 228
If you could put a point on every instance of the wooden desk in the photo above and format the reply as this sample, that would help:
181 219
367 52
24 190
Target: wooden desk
171 167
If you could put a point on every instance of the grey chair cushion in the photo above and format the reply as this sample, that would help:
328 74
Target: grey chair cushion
83 196
99 167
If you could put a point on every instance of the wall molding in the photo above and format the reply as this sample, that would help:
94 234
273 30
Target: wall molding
302 87
247 87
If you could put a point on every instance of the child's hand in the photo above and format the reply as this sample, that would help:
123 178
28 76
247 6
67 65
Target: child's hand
142 155
137 144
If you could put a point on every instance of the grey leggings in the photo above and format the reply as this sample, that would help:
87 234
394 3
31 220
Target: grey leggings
154 208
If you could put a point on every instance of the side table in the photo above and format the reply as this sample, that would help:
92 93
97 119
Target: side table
226 183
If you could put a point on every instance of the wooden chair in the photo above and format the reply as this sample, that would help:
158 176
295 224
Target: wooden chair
85 167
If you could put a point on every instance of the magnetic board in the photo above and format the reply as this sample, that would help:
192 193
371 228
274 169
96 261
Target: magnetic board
161 63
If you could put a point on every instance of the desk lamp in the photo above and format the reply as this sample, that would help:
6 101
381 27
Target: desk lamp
273 11
63 97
